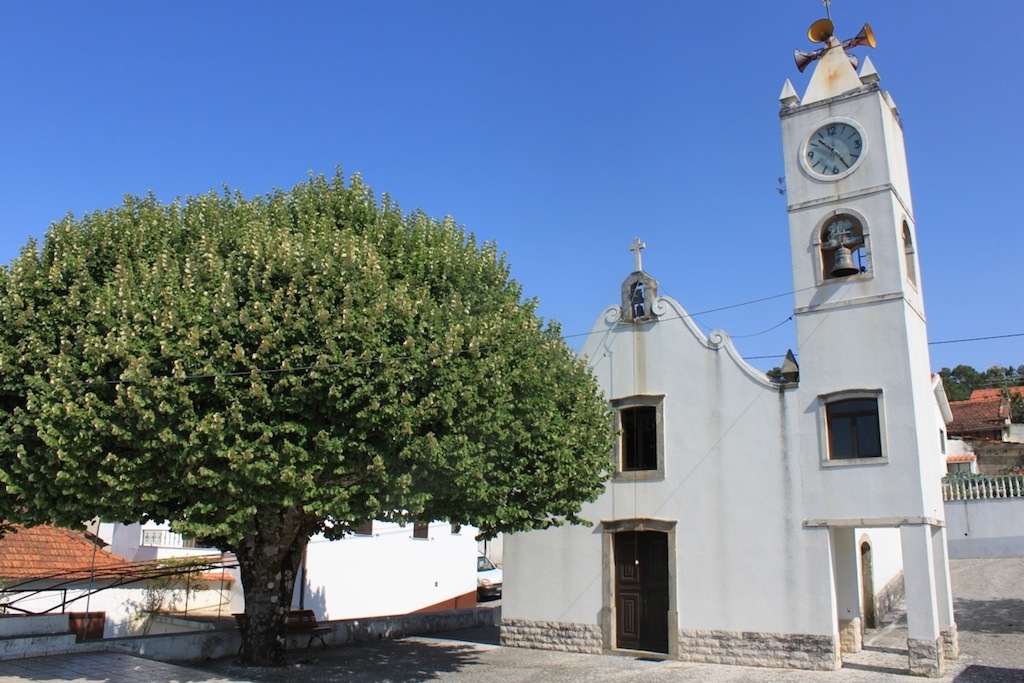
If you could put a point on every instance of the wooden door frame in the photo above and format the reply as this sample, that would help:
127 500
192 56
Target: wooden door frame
608 620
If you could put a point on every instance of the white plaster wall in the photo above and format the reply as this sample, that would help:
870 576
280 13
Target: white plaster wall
126 541
864 332
886 554
959 447
907 483
985 528
553 575
387 573
1016 433
121 605
732 485
384 574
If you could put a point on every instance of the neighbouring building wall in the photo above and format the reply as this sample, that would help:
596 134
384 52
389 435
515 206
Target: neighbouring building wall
985 528
386 573
149 541
1016 433
995 456
126 608
389 572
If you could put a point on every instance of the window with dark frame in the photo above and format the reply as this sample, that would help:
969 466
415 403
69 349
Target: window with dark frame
420 530
639 426
364 529
853 429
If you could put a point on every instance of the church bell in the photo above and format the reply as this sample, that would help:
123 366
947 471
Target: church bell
844 264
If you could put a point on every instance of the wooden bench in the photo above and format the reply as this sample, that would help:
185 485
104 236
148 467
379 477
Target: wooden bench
300 622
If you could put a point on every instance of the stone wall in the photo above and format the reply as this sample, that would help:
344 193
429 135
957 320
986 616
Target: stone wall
551 635
211 644
744 648
994 456
887 598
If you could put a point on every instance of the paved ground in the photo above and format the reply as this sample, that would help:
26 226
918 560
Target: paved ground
989 613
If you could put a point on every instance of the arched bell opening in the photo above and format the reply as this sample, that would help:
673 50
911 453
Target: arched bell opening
843 247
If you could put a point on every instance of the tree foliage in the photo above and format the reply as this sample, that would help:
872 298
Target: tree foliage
962 380
257 371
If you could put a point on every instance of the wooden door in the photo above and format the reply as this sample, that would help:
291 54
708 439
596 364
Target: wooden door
641 590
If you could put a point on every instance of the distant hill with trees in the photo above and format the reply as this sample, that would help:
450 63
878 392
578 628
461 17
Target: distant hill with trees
962 380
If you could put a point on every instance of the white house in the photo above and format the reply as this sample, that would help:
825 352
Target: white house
49 570
754 522
383 569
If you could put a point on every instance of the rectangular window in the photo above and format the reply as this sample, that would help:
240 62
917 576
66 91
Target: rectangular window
640 447
420 530
364 529
853 429
639 438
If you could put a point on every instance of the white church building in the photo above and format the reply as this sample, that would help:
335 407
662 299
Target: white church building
756 522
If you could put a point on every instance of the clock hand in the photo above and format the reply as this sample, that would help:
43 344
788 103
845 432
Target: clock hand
834 152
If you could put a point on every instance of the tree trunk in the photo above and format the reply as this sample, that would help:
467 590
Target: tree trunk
268 561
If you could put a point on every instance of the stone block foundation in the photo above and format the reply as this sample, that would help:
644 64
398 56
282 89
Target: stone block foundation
744 648
851 636
738 648
926 657
551 635
950 642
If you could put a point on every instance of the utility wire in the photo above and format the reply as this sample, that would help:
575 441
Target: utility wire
431 357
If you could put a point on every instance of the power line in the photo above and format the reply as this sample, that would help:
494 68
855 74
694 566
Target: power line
431 357
971 339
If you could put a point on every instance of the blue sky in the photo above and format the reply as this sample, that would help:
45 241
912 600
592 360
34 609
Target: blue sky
560 130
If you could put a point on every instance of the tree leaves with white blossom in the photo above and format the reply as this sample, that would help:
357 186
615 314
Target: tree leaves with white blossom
257 371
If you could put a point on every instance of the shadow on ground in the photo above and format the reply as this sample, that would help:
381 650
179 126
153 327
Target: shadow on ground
988 674
990 616
390 661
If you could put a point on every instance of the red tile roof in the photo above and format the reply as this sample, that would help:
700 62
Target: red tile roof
981 413
47 552
41 551
995 393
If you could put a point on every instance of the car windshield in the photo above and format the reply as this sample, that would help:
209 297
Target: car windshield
483 564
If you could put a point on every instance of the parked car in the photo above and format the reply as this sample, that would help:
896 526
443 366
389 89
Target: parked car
488 578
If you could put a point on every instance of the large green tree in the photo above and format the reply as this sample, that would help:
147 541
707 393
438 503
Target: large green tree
258 371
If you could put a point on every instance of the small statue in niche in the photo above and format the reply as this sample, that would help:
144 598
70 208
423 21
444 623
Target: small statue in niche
636 300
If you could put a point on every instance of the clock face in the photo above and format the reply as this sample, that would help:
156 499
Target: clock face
833 149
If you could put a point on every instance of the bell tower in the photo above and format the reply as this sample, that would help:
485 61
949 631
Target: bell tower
870 437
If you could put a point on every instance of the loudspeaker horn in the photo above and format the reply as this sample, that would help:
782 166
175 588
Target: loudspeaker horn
820 31
865 37
802 58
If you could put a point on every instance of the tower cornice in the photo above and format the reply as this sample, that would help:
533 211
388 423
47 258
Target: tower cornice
849 94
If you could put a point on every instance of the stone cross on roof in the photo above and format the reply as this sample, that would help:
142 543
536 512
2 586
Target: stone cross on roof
637 247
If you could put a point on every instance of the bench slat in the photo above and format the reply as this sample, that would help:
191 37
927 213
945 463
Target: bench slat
300 622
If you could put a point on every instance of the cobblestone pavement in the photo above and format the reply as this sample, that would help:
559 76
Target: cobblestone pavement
101 667
989 613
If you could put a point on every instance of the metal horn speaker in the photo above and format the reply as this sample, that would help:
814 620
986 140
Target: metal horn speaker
820 31
865 37
802 58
